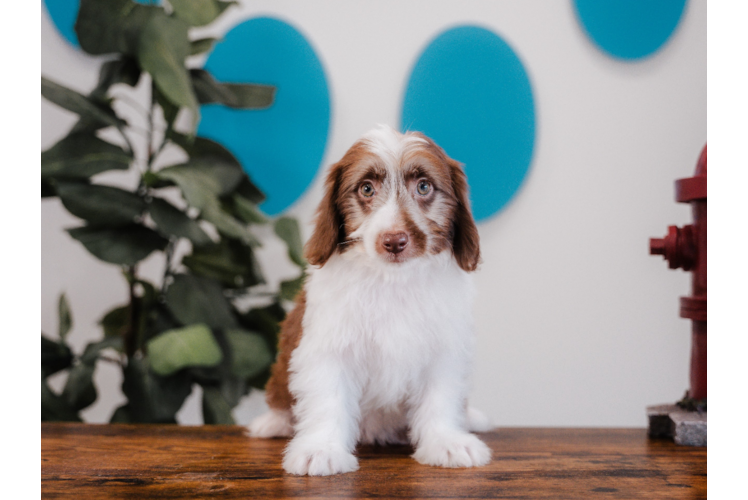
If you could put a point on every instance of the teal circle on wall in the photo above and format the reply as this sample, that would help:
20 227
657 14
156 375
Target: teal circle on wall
470 93
280 147
630 29
64 13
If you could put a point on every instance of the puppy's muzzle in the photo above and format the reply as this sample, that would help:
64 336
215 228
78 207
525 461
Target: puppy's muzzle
394 243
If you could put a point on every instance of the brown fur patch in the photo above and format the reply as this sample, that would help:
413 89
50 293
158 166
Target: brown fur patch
277 394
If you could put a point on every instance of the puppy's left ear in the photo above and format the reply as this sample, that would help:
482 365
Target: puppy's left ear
465 238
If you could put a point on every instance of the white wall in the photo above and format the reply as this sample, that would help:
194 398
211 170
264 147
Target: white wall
577 324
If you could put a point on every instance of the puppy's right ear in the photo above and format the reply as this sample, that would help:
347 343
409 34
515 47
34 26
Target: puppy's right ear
328 228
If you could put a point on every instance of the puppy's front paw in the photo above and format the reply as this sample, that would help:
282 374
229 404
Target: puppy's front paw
317 459
454 450
275 423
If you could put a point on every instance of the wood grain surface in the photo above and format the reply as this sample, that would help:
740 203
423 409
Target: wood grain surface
162 461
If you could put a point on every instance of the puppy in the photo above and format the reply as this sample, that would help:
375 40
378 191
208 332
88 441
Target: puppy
379 346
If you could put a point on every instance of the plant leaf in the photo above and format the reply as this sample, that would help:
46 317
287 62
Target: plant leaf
287 229
81 155
105 206
173 350
110 26
65 319
126 245
152 398
55 356
216 410
199 12
202 181
123 70
172 221
290 288
194 299
91 353
80 391
233 95
230 262
247 211
202 45
54 407
250 354
116 321
79 104
162 49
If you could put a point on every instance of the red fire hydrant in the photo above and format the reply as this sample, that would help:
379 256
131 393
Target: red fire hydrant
686 248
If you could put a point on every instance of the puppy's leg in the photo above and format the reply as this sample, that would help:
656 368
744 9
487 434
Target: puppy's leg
438 421
326 413
278 422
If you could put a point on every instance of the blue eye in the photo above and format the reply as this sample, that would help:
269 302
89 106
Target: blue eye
423 188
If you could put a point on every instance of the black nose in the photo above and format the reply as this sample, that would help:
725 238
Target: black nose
395 242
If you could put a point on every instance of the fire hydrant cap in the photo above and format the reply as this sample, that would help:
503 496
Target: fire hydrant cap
693 188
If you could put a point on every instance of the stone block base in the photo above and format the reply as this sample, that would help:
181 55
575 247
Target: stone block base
684 427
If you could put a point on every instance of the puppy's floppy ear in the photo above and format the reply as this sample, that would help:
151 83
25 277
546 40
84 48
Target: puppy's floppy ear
465 239
328 228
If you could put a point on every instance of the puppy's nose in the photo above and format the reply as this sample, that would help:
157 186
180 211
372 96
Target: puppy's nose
394 242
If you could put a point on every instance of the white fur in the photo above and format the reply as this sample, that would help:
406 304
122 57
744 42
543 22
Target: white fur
385 357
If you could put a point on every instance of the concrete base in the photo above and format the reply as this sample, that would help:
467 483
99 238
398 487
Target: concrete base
684 427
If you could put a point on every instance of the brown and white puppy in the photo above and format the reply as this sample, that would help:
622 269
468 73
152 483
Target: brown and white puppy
379 346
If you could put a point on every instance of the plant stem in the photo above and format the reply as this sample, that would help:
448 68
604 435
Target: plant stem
130 338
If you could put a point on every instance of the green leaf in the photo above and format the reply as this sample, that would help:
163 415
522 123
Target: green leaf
80 391
104 206
290 288
287 229
81 155
202 45
79 104
199 12
194 299
93 349
126 245
152 398
121 415
169 109
110 26
162 49
248 190
176 349
54 407
216 410
250 354
48 189
123 70
202 181
55 356
233 95
172 221
248 211
116 322
230 262
65 319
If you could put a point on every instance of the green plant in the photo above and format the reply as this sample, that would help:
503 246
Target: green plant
189 329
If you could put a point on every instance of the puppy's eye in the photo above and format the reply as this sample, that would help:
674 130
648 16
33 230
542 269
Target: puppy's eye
367 189
424 187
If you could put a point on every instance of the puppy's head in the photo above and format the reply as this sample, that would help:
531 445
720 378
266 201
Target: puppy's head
395 197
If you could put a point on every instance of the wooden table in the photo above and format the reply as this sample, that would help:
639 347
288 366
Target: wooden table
138 461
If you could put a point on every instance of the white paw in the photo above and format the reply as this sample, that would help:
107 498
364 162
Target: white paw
453 450
275 423
317 459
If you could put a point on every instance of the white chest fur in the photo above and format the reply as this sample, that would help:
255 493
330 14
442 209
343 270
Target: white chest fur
387 324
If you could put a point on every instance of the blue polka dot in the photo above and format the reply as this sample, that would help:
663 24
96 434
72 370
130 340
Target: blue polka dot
64 13
470 93
631 29
281 147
